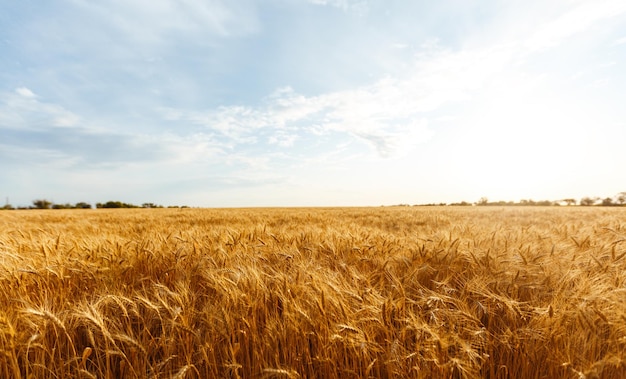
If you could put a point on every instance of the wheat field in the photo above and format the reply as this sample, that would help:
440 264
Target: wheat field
389 292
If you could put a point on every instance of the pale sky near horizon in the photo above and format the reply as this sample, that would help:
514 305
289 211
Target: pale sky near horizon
311 102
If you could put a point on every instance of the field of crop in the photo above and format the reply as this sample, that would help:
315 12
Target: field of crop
437 292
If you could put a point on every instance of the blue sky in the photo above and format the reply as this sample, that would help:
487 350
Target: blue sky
311 102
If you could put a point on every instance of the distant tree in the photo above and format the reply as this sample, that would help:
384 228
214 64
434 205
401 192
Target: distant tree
115 204
621 198
62 206
545 203
42 204
7 207
500 203
587 201
151 205
82 205
461 204
569 201
527 202
607 202
483 201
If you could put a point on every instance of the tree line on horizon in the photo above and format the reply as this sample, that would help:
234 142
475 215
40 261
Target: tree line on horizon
47 204
617 200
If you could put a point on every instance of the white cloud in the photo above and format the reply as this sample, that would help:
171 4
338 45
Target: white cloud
197 147
358 6
283 139
153 21
24 109
600 83
385 115
66 119
391 114
607 64
55 136
577 20
619 41
25 92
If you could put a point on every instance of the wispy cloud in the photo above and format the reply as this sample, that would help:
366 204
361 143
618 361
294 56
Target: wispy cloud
47 134
25 92
576 20
72 148
359 6
619 41
152 21
391 114
378 115
23 109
